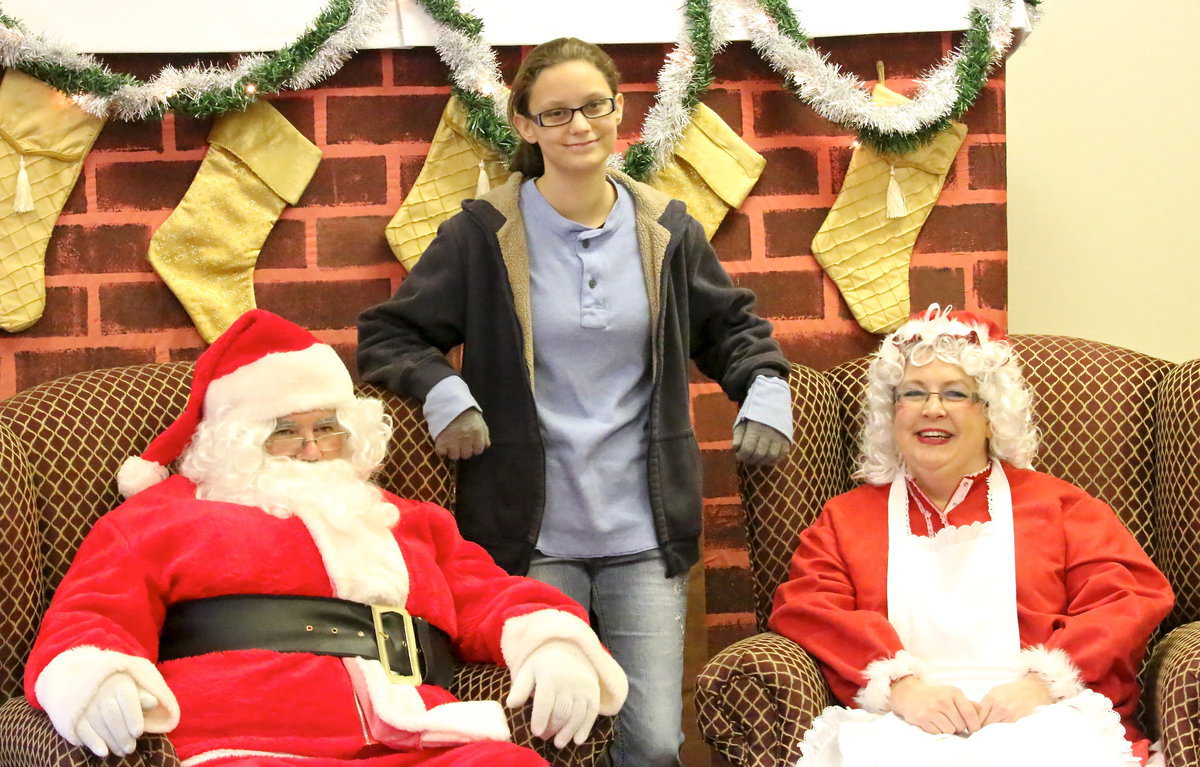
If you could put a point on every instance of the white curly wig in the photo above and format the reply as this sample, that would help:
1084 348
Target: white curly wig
957 338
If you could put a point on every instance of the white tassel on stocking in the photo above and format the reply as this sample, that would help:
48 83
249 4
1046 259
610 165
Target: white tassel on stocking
896 207
482 185
23 199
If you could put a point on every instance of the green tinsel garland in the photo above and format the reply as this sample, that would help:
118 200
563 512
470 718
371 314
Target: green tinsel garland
639 157
488 125
447 12
484 122
789 25
271 76
97 80
972 70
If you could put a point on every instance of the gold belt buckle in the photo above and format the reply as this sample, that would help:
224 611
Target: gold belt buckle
410 639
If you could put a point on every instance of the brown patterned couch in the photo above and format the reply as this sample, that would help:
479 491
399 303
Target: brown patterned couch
60 446
1124 426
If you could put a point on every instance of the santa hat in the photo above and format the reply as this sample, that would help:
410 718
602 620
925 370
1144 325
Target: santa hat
261 368
936 321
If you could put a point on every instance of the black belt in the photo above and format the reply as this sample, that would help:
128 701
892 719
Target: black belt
411 650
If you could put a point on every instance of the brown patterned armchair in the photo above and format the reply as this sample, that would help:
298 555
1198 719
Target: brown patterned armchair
60 446
1121 425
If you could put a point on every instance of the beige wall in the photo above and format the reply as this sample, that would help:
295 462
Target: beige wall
1104 175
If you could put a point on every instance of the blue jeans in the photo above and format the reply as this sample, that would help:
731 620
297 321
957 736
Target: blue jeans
640 619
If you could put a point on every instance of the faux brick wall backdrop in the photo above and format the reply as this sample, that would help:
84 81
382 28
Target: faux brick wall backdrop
327 258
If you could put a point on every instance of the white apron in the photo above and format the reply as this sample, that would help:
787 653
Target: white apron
952 600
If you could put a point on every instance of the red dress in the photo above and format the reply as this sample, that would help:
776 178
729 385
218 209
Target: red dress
1084 585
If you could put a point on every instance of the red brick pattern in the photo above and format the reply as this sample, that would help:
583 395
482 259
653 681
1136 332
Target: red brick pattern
327 257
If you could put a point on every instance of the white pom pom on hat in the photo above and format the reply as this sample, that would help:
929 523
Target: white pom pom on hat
262 367
136 474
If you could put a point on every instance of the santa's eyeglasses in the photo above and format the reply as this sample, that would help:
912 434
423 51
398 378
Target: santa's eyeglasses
288 443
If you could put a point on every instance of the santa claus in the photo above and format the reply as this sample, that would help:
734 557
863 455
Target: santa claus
269 605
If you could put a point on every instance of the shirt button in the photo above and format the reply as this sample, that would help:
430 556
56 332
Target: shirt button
591 283
587 244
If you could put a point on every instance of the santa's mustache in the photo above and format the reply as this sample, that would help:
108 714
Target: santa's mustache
286 487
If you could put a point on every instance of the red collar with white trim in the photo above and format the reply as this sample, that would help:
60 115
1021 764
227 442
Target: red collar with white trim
935 518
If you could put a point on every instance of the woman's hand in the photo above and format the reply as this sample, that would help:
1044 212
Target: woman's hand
464 437
936 709
1014 700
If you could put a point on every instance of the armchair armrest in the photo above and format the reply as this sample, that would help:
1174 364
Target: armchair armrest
27 739
483 681
756 698
1172 677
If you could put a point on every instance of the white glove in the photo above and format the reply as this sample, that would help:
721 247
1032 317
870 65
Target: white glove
464 437
758 444
566 692
113 721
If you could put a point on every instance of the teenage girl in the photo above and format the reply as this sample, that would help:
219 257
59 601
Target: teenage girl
580 296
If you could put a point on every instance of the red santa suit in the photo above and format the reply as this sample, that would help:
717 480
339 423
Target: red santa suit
164 546
1087 596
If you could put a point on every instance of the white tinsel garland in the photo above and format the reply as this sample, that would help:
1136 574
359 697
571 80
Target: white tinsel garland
843 99
667 118
341 45
16 47
136 102
141 100
473 66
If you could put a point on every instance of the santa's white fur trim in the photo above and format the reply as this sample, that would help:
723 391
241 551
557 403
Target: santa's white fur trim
465 721
363 560
137 474
875 694
282 383
1055 668
525 633
399 707
67 685
224 753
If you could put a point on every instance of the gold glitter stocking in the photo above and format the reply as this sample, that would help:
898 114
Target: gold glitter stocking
44 137
457 167
866 242
712 171
206 249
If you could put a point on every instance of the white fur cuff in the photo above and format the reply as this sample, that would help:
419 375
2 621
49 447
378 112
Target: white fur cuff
466 721
875 694
68 683
396 712
1055 668
525 633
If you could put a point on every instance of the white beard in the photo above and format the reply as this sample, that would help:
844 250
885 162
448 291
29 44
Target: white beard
286 487
347 517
